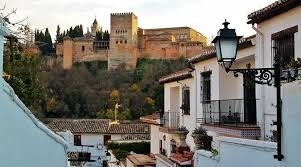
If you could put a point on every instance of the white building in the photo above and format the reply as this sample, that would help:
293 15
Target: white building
100 131
231 106
277 34
25 141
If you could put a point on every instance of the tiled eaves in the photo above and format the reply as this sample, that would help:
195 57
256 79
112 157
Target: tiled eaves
179 75
272 10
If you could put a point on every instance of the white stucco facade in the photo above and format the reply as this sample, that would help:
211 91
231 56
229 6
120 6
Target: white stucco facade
264 57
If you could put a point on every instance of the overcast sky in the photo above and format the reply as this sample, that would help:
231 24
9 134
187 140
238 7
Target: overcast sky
206 16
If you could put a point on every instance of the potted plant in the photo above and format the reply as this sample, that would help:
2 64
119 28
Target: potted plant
182 133
201 139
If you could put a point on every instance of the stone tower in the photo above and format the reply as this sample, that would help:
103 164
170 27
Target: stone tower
67 52
123 41
95 27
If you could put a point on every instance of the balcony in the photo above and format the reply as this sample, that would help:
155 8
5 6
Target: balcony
235 117
170 122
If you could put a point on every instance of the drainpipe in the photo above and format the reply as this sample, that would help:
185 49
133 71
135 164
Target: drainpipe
261 52
195 83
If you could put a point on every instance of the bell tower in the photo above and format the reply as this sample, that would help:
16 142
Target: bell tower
95 27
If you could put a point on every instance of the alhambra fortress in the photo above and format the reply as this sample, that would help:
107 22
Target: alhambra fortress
128 43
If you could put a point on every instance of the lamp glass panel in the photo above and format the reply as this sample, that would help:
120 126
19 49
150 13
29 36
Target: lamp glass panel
218 50
228 49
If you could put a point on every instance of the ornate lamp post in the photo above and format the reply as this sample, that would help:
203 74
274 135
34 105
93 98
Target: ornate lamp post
226 43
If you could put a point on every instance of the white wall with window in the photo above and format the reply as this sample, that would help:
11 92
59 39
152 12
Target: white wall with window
282 29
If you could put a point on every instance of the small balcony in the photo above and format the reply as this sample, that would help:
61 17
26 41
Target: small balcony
170 122
235 117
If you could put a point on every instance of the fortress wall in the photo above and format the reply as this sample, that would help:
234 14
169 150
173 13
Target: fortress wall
59 49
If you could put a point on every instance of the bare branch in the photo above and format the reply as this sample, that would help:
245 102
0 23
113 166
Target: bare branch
12 12
3 7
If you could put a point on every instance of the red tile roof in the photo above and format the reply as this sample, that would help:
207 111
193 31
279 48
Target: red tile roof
80 125
274 9
152 119
182 158
176 76
129 128
97 126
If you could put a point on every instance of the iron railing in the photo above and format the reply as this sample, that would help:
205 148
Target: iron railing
170 120
234 112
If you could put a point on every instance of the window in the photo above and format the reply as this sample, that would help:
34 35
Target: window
116 42
206 86
125 41
160 146
186 100
77 140
83 48
283 45
120 41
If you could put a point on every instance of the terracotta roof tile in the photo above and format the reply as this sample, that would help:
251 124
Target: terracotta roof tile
179 158
153 119
179 75
80 125
272 10
97 126
129 128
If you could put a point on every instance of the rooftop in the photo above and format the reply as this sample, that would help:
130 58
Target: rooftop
80 125
182 158
272 10
141 159
176 76
97 126
152 119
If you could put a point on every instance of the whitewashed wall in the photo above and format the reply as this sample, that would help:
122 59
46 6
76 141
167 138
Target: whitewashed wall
264 59
291 124
92 139
173 102
249 153
239 152
156 135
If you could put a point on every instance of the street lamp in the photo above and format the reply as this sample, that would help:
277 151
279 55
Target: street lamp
226 43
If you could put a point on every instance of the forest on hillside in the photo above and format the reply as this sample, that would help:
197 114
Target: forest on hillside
88 90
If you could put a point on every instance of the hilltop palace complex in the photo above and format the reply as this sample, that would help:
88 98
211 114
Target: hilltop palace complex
128 42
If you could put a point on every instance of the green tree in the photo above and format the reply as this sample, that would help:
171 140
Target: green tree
24 72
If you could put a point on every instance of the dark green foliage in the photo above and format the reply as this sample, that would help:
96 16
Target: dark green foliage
44 42
106 35
90 91
121 150
24 77
99 36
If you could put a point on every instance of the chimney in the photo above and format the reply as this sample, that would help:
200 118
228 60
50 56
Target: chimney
3 32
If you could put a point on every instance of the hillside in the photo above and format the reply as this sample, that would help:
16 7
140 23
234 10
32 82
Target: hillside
88 90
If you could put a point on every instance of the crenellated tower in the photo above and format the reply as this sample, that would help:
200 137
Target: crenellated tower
123 41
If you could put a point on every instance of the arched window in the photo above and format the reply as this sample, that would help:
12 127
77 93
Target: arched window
125 41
